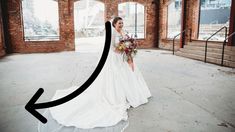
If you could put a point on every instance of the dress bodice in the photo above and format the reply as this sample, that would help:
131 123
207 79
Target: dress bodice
117 37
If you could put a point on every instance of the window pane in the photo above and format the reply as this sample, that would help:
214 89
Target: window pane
214 15
89 18
133 18
174 18
41 20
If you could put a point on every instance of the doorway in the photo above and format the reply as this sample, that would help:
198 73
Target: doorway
89 25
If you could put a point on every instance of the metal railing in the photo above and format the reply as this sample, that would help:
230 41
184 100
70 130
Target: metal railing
211 37
222 60
190 39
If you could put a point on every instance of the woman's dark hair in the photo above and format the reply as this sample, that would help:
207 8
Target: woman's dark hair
115 20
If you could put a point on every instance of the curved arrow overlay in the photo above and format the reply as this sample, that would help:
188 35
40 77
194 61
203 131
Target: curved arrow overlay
31 106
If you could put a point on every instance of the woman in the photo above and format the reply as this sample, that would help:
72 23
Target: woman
118 86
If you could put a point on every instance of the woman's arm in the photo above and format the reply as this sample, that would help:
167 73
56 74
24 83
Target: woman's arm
115 41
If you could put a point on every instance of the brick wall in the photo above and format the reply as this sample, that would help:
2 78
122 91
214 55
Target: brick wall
67 37
2 51
66 41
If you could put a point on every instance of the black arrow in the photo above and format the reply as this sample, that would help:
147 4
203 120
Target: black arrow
31 106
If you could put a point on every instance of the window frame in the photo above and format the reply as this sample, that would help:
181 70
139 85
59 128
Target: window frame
182 8
199 19
145 9
38 41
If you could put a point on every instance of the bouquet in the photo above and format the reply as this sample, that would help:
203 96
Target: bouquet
128 47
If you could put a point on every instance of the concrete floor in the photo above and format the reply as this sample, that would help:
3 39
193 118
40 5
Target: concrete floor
188 95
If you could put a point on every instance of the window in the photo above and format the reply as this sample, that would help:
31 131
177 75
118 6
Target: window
214 14
89 18
40 20
133 18
174 18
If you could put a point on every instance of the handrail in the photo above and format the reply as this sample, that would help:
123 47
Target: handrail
222 60
178 35
212 36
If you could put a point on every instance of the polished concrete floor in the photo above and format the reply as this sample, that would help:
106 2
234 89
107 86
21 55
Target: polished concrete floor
188 95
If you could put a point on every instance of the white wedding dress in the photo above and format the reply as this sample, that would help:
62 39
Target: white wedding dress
106 101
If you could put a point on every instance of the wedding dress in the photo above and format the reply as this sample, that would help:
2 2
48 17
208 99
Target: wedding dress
106 101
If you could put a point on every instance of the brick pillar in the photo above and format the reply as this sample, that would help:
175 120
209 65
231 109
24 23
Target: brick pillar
157 22
111 9
66 14
5 26
183 23
192 19
2 51
231 41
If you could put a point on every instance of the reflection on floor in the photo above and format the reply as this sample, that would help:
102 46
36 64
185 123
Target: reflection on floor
91 44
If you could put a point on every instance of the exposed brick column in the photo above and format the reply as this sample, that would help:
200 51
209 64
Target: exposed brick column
2 50
163 20
183 23
151 23
157 22
192 19
111 9
231 41
66 14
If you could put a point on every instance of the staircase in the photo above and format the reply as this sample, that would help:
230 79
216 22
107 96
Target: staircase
196 50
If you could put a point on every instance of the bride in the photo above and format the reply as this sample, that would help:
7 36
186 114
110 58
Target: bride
118 87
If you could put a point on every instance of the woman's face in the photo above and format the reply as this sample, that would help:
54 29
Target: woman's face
119 25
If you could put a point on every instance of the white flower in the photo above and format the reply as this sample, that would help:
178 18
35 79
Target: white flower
128 43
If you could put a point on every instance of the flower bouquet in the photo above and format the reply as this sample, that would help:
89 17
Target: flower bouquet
128 47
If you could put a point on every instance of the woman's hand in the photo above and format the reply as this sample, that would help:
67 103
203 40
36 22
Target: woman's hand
131 64
117 51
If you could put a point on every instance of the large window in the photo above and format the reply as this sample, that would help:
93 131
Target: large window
174 18
133 18
214 14
89 18
40 20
